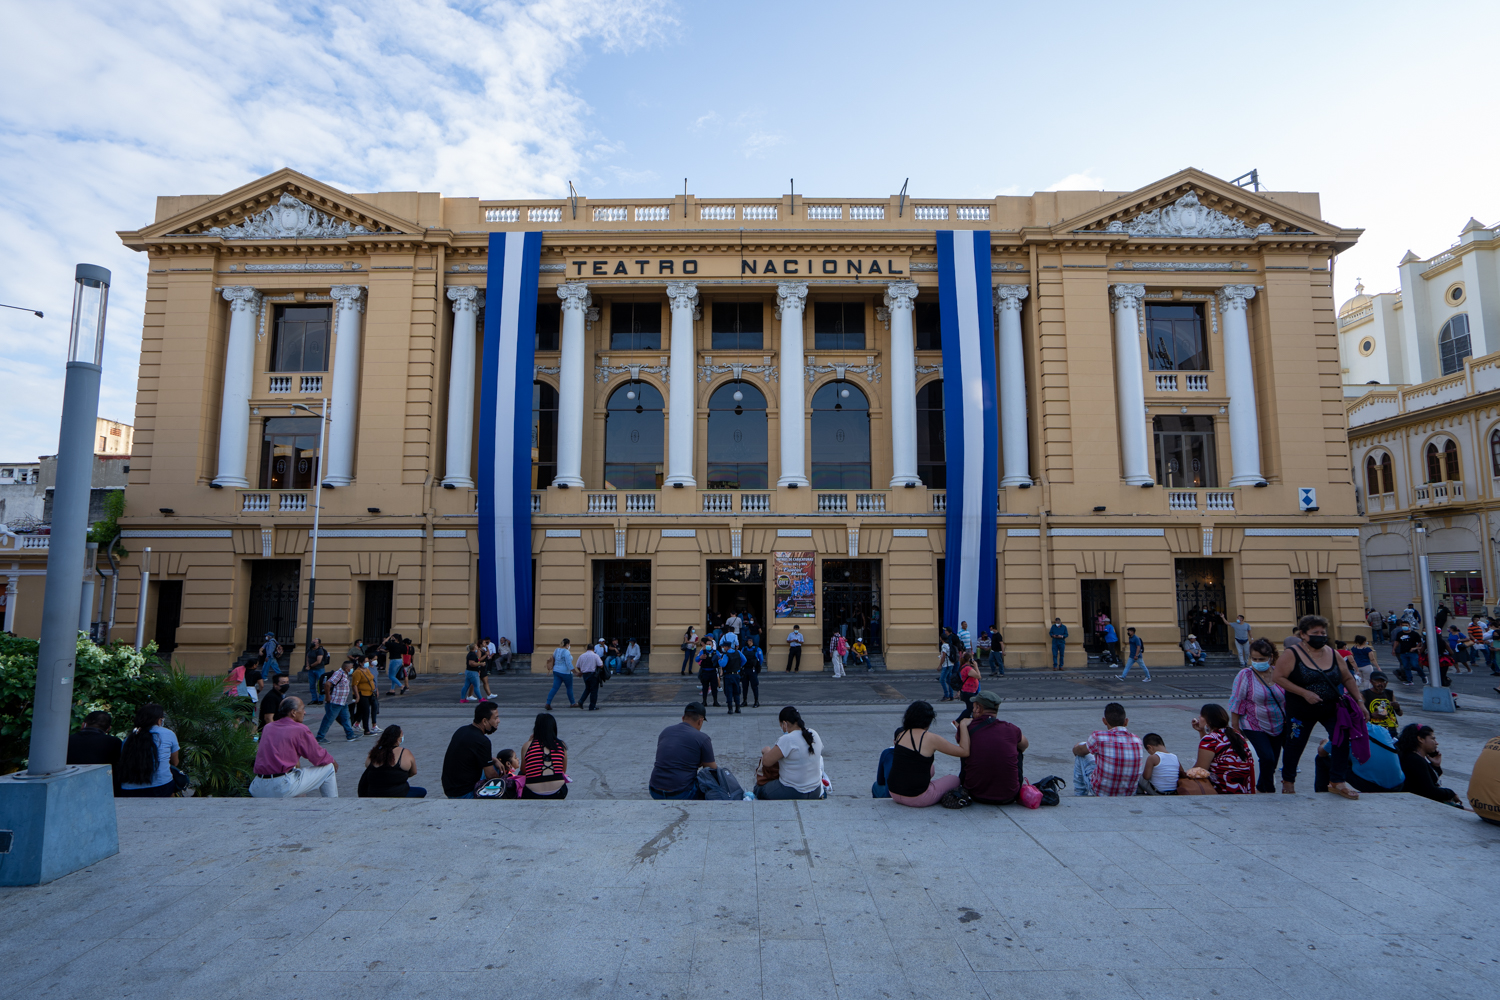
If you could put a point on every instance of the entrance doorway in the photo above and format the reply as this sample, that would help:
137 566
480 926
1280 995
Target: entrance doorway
737 586
275 585
379 598
851 601
168 617
1095 596
1200 602
622 601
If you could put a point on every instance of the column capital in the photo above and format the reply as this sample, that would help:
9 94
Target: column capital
242 298
1125 297
901 295
790 293
1235 298
575 296
682 294
349 297
1008 297
465 298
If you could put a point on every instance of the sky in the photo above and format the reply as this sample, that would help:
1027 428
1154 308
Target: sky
1387 110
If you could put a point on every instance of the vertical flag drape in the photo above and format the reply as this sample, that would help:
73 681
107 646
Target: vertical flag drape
969 425
505 598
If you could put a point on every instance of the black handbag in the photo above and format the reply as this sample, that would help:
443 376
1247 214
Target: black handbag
1049 786
180 780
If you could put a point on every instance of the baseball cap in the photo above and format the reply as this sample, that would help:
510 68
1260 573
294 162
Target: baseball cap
988 699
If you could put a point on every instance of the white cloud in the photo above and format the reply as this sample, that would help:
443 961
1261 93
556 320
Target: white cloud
1083 181
756 143
104 108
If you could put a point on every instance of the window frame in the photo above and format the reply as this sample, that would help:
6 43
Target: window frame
927 337
840 340
860 472
278 331
739 334
1495 453
1179 364
540 478
932 430
554 334
1209 459
636 468
638 337
307 427
1450 360
1446 464
716 405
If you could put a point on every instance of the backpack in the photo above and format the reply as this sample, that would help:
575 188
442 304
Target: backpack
719 785
878 790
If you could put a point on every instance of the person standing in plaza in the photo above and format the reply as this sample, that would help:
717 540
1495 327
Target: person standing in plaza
838 648
148 755
731 670
1313 677
1110 761
968 684
1365 662
755 661
395 651
798 759
1137 655
794 649
689 649
336 694
473 661
268 651
284 743
363 683
733 623
1376 622
1407 646
708 670
965 636
1240 634
945 664
681 750
588 666
997 652
1059 634
1257 710
318 659
562 673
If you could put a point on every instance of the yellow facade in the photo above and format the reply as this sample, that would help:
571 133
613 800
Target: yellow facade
1079 535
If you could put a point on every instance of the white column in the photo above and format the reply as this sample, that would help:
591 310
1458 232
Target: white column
12 595
682 407
466 301
239 370
1015 446
900 299
570 380
1130 389
343 402
791 300
1239 374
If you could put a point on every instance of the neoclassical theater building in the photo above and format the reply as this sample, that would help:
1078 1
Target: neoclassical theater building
739 404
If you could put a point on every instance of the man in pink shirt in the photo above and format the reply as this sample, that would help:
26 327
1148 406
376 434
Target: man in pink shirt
283 743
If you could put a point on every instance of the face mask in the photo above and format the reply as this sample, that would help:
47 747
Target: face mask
1317 641
1261 666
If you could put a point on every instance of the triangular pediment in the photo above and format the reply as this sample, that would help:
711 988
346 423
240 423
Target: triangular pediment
285 205
1194 205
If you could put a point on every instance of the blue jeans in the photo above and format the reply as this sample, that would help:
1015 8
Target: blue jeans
944 679
1408 664
997 663
1083 769
393 671
687 660
315 684
690 792
339 712
1133 661
1058 645
471 680
558 680
777 790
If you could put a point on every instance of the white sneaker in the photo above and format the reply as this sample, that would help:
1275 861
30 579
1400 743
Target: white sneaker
374 729
1145 680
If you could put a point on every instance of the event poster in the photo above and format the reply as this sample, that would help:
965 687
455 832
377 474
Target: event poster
796 584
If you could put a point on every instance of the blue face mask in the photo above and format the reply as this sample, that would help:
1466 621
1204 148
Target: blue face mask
1261 665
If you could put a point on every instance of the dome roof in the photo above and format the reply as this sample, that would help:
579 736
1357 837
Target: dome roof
1354 305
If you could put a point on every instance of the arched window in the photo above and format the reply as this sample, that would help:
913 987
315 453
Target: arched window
1379 474
840 438
932 464
737 457
633 438
543 435
1495 453
1442 461
1453 343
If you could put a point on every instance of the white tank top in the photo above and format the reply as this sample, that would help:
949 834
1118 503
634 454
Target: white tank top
1164 776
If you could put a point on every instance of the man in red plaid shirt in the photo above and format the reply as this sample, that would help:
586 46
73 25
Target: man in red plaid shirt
1109 762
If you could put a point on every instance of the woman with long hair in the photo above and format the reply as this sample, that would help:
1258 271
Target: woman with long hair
389 768
544 761
968 681
798 759
910 780
1224 752
148 756
1423 765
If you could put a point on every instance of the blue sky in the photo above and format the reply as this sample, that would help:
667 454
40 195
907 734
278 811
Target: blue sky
1387 110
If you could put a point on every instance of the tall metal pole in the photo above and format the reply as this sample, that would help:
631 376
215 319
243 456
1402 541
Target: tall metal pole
312 579
52 711
1434 671
140 607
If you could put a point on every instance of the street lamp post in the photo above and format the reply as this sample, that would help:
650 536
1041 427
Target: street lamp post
312 578
1435 698
63 818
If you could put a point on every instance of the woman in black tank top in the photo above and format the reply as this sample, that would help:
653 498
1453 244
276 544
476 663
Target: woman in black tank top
910 780
1312 675
389 768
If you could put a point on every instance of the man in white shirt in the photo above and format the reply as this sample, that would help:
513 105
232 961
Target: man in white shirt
794 650
734 623
588 666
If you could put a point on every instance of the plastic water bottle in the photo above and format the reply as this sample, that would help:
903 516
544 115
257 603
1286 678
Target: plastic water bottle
749 796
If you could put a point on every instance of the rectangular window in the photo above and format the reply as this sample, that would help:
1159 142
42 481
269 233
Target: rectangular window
548 323
289 453
929 326
1174 338
839 326
739 326
635 326
301 343
1185 455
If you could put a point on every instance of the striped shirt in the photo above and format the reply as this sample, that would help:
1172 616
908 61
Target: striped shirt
534 765
1260 704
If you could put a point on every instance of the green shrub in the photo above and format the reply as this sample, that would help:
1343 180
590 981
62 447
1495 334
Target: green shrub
218 744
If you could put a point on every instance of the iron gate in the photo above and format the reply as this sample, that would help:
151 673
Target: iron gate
851 597
275 585
1305 593
1200 602
622 601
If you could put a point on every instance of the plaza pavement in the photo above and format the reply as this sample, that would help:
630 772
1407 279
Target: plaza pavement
1164 898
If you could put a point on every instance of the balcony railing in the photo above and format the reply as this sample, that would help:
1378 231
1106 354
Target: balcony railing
1182 500
1166 383
1436 493
312 383
1382 502
718 503
833 503
940 503
536 503
35 541
869 503
1217 500
755 502
292 503
255 503
602 503
1197 383
640 503
281 383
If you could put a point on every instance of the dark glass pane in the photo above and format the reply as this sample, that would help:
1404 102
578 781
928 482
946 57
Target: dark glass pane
289 453
839 326
635 326
548 325
932 465
738 458
1434 465
634 435
840 438
301 339
738 326
1174 338
929 326
1185 452
1453 343
543 435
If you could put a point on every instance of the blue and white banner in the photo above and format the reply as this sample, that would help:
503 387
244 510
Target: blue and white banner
505 597
969 426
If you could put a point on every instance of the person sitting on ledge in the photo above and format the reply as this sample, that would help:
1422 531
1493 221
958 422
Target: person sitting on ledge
283 744
993 773
680 751
1109 761
910 780
798 759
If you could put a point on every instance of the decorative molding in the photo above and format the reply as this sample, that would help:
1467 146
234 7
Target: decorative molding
564 533
465 298
909 533
369 533
921 267
853 543
1302 532
794 292
244 298
619 543
683 295
288 219
679 532
348 297
575 297
1187 217
1106 532
267 540
1208 540
1235 298
545 370
605 371
302 265
1126 297
736 542
883 316
449 533
768 372
1008 297
929 369
553 268
901 296
1001 265
870 370
793 532
1184 265
1023 532
155 533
